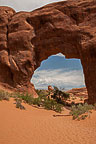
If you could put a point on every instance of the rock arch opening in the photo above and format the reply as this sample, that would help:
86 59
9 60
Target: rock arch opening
59 71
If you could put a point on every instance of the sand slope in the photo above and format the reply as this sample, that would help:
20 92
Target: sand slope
38 126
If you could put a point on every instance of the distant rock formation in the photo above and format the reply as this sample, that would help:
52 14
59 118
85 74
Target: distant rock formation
28 38
78 92
50 88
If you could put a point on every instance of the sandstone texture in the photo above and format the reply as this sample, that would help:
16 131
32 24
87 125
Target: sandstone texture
50 88
28 38
78 92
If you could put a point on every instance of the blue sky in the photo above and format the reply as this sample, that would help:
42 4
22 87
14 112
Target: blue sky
56 70
60 72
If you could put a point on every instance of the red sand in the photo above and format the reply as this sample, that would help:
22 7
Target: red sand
38 126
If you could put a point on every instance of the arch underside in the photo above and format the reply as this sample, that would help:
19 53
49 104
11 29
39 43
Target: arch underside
28 38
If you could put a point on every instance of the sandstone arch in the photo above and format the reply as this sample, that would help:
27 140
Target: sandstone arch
27 38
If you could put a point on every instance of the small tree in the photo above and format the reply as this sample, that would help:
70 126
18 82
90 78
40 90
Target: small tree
59 95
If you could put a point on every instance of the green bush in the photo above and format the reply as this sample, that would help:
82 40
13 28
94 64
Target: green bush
78 110
42 93
42 101
37 101
51 104
59 95
26 97
4 95
18 104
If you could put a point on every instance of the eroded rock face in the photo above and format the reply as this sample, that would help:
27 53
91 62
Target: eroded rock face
78 92
27 38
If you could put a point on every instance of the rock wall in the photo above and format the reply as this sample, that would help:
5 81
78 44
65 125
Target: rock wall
28 38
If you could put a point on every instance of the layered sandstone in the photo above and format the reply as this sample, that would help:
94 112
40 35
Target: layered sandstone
28 38
78 92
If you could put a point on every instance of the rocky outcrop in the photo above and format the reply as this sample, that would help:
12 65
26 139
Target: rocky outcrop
27 38
78 92
50 88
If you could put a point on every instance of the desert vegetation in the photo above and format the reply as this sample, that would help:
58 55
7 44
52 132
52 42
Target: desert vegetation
81 111
19 104
4 95
54 100
42 101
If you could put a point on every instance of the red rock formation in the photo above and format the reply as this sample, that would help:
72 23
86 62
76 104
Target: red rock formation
78 92
50 88
27 38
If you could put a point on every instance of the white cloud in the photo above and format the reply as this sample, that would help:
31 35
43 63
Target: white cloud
27 5
59 54
67 80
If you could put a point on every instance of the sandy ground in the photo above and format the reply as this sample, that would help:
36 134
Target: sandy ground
38 126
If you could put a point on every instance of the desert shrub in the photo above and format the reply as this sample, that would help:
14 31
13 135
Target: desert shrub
58 108
48 104
83 117
25 96
51 104
41 101
80 109
18 104
37 101
59 95
4 95
42 93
